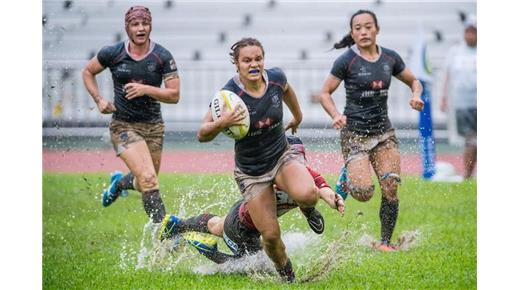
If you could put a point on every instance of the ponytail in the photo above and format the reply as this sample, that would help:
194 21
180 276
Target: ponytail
346 41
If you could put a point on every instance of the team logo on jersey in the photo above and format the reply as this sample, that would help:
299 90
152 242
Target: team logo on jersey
264 123
386 67
276 100
363 71
123 68
151 66
377 85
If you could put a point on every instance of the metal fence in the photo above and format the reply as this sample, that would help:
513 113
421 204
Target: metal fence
66 102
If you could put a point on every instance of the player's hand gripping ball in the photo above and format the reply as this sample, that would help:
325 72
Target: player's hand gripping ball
232 102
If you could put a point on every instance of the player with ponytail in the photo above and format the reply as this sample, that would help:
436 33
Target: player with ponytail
368 139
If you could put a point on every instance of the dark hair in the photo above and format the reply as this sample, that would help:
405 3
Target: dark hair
294 140
296 143
347 40
247 41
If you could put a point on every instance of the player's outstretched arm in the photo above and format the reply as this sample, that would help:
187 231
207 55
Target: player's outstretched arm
332 199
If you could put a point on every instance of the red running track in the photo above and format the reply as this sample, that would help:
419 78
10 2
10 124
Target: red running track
196 161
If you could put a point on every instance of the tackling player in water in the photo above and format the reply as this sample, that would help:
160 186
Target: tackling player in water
238 229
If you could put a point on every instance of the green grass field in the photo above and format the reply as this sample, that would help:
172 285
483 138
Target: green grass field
86 246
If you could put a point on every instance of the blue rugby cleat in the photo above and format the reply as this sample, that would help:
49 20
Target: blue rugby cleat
111 194
169 227
342 183
205 244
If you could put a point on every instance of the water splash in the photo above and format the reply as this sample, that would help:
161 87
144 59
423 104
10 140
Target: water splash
335 254
313 257
258 265
409 239
155 254
405 241
147 245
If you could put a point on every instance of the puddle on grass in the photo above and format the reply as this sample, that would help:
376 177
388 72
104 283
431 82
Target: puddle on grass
313 258
259 264
405 241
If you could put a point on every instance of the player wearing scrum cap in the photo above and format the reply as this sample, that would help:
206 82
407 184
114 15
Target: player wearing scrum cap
138 66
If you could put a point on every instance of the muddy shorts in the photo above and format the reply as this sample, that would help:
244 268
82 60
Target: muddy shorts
250 186
124 133
355 146
238 237
467 124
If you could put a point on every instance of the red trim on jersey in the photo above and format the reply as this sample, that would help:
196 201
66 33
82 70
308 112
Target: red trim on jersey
352 62
158 58
118 58
389 57
276 84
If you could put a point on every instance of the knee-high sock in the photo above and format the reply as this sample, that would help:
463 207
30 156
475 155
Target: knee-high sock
153 205
219 257
197 223
127 182
287 272
388 215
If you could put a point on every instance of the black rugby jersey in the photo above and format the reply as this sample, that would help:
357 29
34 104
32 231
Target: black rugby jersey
151 70
366 85
259 151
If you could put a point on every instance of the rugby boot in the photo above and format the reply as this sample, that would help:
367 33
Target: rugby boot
385 247
111 193
169 227
314 219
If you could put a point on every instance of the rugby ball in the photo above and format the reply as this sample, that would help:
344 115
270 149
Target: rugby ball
231 101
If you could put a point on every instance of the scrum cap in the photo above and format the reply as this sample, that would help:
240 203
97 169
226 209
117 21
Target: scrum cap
137 12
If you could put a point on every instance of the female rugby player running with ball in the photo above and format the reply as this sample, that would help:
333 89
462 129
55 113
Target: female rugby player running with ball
263 157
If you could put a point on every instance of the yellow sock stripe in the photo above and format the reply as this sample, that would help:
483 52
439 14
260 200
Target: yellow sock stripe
199 237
